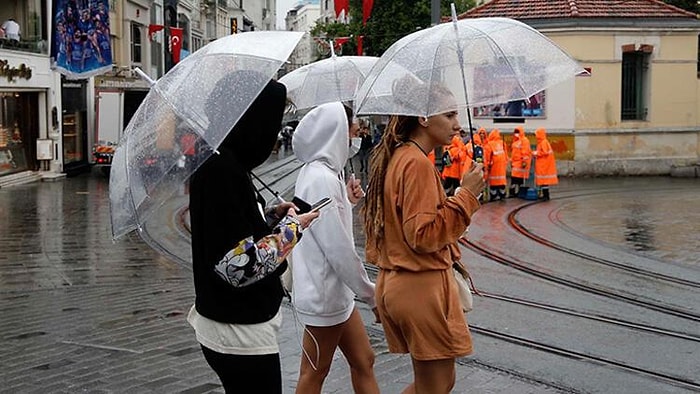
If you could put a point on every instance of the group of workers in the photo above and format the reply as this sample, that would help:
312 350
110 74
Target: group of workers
458 157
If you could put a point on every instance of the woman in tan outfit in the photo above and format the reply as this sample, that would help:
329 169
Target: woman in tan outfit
412 228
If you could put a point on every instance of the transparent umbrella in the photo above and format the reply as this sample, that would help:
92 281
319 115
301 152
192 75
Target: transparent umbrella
480 61
336 78
185 116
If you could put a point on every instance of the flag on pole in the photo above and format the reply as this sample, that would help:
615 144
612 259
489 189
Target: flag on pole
175 43
342 10
359 45
339 41
152 30
366 10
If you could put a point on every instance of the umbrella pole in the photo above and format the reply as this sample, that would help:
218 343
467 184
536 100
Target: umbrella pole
337 82
460 58
274 193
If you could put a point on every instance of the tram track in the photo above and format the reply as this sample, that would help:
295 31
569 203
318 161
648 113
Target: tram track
603 357
667 377
516 225
677 381
373 271
559 279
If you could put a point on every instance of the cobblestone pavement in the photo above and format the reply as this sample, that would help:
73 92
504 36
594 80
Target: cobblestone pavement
81 313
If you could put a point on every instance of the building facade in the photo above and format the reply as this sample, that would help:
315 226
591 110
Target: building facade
30 102
303 17
51 125
638 110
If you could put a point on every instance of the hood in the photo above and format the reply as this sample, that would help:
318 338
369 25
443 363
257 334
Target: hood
495 135
482 133
322 135
477 140
540 134
518 132
255 134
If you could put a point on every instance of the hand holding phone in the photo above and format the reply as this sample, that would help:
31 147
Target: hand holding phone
305 207
320 204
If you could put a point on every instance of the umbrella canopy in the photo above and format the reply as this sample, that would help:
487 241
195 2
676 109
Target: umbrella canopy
336 78
480 61
185 116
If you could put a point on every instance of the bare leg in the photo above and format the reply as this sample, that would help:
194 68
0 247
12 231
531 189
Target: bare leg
310 379
434 377
354 343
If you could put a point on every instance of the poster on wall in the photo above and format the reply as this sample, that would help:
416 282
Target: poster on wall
81 45
534 107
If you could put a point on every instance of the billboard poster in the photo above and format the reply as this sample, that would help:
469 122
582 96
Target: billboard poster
81 45
533 107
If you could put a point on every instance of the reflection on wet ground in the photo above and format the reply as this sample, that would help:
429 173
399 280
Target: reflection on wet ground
656 216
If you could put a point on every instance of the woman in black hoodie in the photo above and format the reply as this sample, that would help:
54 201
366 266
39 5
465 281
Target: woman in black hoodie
237 252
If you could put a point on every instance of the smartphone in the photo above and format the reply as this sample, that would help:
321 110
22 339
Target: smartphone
303 206
320 204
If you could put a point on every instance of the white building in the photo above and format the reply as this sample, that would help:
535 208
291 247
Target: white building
303 17
30 97
327 11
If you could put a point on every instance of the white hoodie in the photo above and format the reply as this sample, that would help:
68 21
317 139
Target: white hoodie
327 270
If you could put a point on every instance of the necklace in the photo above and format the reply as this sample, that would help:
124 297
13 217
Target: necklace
419 147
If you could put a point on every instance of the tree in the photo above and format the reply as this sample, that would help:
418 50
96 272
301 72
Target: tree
389 21
688 5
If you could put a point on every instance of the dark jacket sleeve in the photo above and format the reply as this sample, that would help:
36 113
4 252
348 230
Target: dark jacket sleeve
224 211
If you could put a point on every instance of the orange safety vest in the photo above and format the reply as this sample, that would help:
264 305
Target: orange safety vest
545 166
520 154
456 149
497 159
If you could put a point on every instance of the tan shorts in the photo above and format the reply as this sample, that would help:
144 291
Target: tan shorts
422 315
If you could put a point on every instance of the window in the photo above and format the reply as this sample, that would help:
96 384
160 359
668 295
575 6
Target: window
157 44
183 22
698 55
135 43
635 67
30 17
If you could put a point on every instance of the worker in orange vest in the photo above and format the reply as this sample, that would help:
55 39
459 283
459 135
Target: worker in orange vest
520 160
497 159
481 141
545 165
453 159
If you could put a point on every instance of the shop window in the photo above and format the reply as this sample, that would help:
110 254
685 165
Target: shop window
136 43
18 130
635 74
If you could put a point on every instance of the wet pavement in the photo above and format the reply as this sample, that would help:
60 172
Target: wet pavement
81 313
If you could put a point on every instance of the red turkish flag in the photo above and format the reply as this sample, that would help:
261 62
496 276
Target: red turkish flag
339 41
366 10
152 30
341 5
175 44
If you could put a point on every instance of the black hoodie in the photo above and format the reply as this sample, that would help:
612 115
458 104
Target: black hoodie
224 210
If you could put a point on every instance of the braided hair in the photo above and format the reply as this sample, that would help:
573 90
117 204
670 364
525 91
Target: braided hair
397 132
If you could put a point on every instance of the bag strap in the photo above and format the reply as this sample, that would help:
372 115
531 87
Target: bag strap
462 269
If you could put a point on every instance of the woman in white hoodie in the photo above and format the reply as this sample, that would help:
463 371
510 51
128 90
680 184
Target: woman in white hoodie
327 270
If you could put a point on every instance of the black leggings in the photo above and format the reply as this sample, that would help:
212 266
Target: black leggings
246 374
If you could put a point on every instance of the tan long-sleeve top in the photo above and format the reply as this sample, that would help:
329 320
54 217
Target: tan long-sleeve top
421 224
